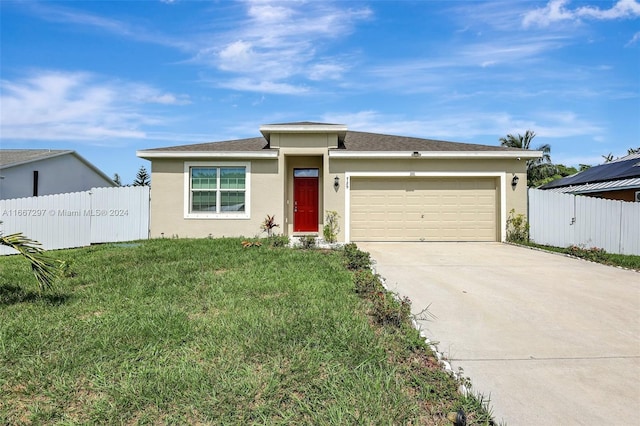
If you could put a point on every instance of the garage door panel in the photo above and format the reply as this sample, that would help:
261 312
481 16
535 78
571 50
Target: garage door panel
423 209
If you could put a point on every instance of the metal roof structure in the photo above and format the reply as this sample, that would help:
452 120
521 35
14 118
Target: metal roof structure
622 173
585 188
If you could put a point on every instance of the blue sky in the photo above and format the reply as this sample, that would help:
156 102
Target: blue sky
109 78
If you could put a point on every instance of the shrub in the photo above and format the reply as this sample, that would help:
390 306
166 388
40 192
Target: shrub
308 242
517 228
389 310
268 224
331 227
278 241
65 269
356 259
366 283
593 254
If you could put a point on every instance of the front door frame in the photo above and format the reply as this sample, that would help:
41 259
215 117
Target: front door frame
306 199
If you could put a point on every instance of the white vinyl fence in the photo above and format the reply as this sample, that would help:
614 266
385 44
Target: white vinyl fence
563 220
78 219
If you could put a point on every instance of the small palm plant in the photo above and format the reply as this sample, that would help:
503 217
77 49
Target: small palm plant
44 268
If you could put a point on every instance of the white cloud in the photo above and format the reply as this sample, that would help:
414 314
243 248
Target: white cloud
143 93
558 10
464 126
263 86
554 11
53 105
326 71
265 12
622 9
457 69
278 42
270 45
237 56
634 39
510 51
54 13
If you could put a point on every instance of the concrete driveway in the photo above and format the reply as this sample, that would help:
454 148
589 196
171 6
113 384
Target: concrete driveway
552 340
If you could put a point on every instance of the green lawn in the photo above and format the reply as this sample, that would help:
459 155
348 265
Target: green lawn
207 332
629 261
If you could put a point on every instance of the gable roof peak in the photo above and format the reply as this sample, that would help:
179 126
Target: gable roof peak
303 127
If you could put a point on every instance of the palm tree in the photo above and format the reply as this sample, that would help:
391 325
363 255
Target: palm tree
44 268
539 168
524 142
608 158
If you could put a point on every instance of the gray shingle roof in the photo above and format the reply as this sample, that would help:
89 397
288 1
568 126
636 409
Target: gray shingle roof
362 141
10 157
353 141
302 123
239 145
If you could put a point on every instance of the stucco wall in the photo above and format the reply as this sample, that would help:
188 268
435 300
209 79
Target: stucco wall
57 175
168 194
299 140
515 198
272 190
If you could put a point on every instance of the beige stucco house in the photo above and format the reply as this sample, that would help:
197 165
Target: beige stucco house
384 188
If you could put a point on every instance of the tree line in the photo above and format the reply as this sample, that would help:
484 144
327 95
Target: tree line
541 171
142 178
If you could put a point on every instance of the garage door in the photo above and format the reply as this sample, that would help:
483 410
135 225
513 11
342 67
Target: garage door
423 209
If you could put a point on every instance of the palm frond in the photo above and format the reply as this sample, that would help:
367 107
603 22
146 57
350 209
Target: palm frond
44 268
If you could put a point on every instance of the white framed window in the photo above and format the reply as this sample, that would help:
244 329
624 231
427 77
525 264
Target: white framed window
219 190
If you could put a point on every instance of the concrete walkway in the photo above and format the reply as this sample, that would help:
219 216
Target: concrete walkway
552 340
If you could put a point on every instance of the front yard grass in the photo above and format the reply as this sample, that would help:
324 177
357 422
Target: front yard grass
207 332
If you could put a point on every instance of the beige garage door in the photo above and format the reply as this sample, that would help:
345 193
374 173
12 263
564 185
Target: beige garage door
423 209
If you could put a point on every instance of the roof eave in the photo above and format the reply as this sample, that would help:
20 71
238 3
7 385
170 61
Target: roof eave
608 189
207 154
587 188
437 154
94 168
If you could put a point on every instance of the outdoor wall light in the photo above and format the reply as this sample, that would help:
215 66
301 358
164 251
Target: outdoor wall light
514 181
336 183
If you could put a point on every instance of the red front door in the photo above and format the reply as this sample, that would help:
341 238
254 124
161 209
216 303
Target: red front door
305 200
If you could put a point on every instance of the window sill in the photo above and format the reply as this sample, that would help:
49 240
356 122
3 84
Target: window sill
217 216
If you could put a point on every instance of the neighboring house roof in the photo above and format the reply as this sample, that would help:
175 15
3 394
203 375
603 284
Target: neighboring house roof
239 145
16 157
623 173
304 123
350 144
